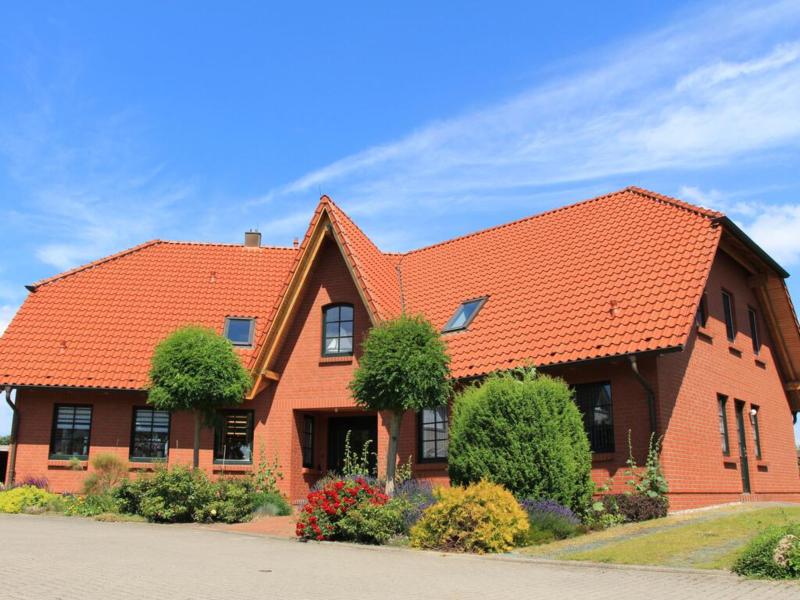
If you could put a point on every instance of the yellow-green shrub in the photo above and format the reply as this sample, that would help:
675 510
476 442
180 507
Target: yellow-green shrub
27 499
483 517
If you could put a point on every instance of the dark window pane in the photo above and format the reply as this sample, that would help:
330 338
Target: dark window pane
307 441
722 402
702 312
594 402
71 428
752 316
233 436
239 331
346 313
463 315
150 438
433 432
727 308
337 330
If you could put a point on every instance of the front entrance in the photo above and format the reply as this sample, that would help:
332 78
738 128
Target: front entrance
362 430
743 463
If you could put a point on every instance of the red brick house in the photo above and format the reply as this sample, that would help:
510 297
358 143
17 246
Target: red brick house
664 316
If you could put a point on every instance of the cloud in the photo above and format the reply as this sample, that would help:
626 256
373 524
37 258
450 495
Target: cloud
709 89
6 314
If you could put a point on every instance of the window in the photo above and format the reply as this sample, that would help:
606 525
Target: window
233 436
722 403
464 315
239 331
701 318
730 320
307 441
433 434
752 316
150 435
756 433
594 402
71 428
337 330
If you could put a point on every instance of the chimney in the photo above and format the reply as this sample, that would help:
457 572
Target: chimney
295 243
252 239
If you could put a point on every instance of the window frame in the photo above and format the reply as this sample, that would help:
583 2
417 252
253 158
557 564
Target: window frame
729 311
352 322
307 441
722 422
755 335
756 429
606 449
58 456
148 459
448 327
701 316
421 458
250 335
251 437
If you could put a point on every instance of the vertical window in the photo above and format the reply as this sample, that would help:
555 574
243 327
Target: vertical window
433 434
307 441
239 331
756 433
233 436
729 312
752 316
71 428
722 403
701 318
594 402
337 330
150 436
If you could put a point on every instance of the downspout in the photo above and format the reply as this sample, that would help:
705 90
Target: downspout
12 451
648 390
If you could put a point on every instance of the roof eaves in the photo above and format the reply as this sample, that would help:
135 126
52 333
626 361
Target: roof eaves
740 235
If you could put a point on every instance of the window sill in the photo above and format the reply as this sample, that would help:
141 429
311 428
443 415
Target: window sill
66 463
735 351
431 465
336 360
598 457
311 471
760 363
232 467
704 332
145 465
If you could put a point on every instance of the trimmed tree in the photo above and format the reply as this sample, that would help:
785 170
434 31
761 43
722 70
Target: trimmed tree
404 367
197 370
525 433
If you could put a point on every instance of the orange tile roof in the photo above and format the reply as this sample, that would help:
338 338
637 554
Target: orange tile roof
616 274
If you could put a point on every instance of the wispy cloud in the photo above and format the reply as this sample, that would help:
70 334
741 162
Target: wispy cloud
6 314
713 87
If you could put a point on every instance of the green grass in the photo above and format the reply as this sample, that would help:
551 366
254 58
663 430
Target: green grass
704 540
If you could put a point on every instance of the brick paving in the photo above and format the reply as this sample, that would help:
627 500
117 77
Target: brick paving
44 558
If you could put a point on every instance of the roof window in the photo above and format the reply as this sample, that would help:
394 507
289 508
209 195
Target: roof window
464 315
239 331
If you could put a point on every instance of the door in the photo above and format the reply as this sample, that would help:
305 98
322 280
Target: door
362 430
742 447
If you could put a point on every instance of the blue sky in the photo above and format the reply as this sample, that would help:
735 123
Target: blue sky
127 121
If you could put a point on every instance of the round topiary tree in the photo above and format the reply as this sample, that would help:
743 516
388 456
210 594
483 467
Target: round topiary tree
197 370
525 433
404 366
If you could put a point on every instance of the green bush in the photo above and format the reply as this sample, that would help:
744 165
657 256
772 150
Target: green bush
128 495
775 554
370 523
483 517
232 501
90 505
109 471
524 432
271 504
636 507
174 495
28 499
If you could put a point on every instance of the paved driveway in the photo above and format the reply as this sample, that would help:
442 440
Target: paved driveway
65 558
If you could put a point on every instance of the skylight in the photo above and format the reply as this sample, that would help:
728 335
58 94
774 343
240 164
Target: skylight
239 331
464 315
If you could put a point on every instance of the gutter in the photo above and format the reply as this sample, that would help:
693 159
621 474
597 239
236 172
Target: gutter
649 392
751 245
12 450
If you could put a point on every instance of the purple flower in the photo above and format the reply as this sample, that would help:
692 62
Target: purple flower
548 508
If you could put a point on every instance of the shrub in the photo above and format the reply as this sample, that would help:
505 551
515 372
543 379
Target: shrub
549 521
271 504
415 496
775 554
483 517
128 495
325 508
174 495
522 431
109 471
231 501
636 507
27 498
373 523
90 505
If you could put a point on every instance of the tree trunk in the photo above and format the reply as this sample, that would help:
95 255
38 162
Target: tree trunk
391 451
196 455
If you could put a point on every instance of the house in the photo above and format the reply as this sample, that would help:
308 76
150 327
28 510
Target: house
665 317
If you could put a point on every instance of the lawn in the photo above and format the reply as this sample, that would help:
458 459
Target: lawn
704 539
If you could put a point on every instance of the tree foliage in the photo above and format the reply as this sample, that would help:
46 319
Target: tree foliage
525 433
195 369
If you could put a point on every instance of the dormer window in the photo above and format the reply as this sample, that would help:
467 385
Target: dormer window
464 315
337 330
239 331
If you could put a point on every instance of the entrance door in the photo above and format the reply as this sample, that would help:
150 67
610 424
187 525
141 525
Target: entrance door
362 430
742 447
